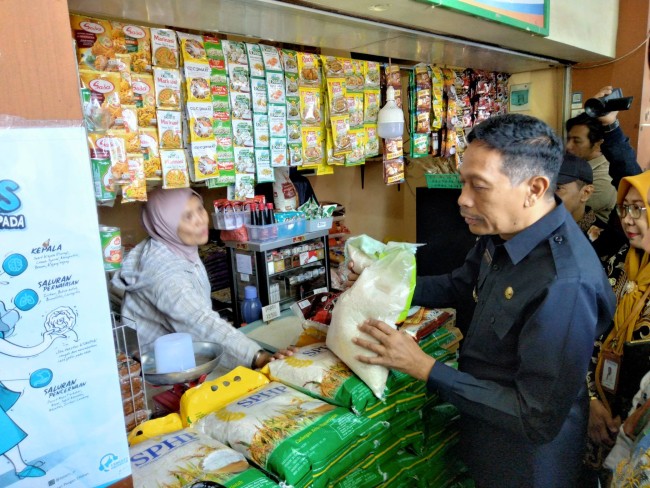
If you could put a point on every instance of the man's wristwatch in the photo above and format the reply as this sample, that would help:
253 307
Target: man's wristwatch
610 127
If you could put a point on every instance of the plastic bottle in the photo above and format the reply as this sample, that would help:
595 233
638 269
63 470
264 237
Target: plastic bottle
251 309
251 209
259 214
269 215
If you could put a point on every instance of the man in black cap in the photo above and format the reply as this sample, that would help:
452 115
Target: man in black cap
574 187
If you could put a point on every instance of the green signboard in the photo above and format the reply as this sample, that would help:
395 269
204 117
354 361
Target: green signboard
529 15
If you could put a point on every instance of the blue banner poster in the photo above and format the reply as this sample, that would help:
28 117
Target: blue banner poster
61 416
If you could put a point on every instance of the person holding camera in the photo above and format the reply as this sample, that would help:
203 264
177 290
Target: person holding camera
616 145
595 136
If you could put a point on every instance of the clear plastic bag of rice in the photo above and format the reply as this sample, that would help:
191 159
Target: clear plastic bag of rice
383 291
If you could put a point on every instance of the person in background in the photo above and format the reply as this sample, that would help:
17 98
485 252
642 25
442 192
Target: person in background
616 145
574 187
631 285
166 287
584 139
538 297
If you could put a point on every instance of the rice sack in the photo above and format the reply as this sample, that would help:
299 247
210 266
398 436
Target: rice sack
301 440
383 292
178 459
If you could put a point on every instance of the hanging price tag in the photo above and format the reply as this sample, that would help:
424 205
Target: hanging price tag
270 312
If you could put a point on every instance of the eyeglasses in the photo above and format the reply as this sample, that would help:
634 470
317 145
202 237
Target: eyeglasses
633 211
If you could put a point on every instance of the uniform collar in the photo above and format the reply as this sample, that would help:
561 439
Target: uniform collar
528 239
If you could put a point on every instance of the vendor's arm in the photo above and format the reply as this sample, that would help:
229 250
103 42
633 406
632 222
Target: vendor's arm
186 311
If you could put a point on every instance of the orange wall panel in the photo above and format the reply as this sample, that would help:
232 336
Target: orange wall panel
37 63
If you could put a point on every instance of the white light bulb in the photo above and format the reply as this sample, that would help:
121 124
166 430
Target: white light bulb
390 121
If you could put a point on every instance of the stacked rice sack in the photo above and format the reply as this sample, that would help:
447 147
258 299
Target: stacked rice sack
415 447
181 458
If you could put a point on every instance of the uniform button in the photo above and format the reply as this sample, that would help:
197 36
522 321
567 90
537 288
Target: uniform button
558 239
495 267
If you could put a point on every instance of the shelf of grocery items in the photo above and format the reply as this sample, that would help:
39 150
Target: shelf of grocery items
316 257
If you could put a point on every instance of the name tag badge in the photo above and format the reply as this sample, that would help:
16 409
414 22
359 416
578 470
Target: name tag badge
609 374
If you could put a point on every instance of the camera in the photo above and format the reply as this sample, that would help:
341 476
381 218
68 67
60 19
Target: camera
614 102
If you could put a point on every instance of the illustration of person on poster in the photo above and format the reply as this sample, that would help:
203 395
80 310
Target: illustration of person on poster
57 323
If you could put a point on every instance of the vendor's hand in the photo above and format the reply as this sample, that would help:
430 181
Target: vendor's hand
264 358
396 350
602 427
609 117
284 353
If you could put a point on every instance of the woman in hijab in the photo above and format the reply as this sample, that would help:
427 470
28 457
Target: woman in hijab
166 287
631 284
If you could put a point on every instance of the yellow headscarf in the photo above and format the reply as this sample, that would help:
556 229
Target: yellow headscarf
636 263
638 275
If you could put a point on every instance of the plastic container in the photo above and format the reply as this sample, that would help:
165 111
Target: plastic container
319 224
251 309
174 353
264 233
230 220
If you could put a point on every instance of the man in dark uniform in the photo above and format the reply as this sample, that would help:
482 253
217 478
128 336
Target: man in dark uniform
537 297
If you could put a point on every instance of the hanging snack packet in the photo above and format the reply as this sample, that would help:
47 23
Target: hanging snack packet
192 48
174 168
144 96
134 40
151 152
136 189
105 107
164 48
309 70
168 88
169 129
94 41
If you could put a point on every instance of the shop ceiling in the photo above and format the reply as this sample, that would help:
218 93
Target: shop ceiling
344 25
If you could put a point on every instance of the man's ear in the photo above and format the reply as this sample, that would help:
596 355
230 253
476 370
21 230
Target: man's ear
537 189
596 145
586 192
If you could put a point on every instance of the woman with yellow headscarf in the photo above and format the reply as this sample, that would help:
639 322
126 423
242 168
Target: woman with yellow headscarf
631 283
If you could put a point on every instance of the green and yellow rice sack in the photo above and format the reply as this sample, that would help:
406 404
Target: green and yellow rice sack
293 436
